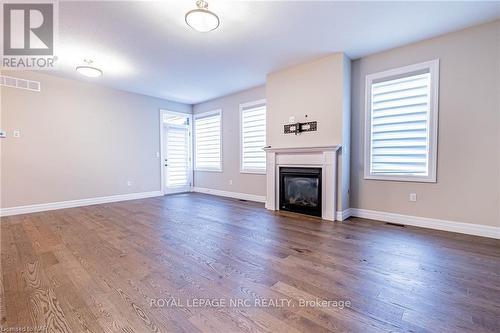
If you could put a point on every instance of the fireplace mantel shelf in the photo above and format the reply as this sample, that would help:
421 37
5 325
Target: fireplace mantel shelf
302 149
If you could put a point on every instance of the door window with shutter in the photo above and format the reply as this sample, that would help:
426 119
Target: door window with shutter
178 156
253 137
401 123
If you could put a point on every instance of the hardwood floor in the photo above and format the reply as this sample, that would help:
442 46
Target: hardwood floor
121 267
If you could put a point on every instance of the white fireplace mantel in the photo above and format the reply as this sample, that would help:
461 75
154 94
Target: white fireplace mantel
324 157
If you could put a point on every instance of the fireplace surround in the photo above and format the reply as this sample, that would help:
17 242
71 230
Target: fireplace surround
323 158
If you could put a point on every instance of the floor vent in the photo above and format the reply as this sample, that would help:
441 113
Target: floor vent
301 250
395 224
13 82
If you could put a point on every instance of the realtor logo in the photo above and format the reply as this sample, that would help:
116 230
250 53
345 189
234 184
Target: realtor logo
28 29
29 34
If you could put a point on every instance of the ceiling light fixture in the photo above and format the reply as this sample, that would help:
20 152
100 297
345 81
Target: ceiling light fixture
201 19
88 70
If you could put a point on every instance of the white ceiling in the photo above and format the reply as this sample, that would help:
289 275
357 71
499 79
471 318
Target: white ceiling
146 47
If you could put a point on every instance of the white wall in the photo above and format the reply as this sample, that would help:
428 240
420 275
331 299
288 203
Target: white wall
78 141
467 188
254 184
319 89
314 89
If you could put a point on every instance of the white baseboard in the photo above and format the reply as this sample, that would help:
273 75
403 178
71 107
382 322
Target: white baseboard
343 214
425 222
76 203
235 195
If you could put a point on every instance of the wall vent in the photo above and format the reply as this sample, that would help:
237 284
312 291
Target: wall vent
13 82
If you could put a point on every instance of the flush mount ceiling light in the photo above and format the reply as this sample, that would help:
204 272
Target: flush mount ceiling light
88 70
201 19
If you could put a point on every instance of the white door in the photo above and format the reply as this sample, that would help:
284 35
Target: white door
177 153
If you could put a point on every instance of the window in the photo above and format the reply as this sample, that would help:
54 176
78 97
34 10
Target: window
253 137
207 135
401 123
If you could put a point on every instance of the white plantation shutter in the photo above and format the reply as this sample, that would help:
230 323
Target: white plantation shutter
400 131
207 129
402 121
253 137
177 156
175 119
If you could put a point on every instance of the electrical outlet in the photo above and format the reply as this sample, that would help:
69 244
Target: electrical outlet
129 183
291 120
16 134
413 197
230 182
157 154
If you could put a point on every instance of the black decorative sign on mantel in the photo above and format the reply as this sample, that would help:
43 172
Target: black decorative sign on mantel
297 128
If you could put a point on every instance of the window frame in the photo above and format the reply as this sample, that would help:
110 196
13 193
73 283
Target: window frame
206 115
242 107
431 67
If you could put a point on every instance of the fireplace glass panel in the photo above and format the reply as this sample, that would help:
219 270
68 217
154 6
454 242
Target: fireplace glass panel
300 190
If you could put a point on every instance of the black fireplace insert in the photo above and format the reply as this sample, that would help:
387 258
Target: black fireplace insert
300 190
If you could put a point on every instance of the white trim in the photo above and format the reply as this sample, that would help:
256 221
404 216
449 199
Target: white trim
76 203
207 170
432 67
343 215
253 103
162 152
425 222
204 115
315 149
177 113
234 195
244 106
254 172
207 113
